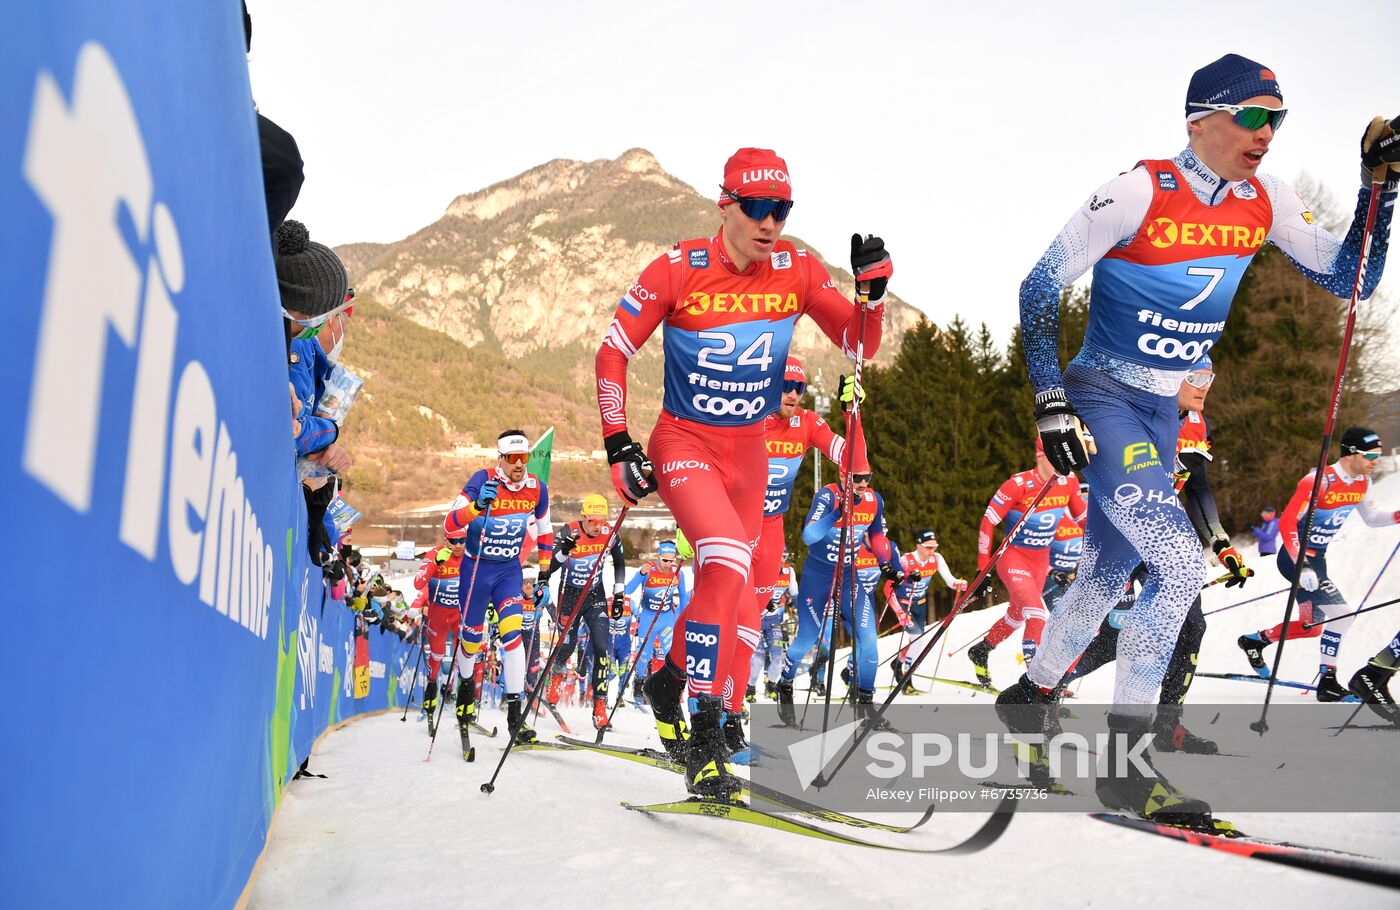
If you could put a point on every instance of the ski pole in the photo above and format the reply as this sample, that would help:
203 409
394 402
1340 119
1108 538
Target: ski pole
413 685
1241 603
490 786
632 665
1248 573
1371 590
1261 726
822 778
1323 622
457 643
853 432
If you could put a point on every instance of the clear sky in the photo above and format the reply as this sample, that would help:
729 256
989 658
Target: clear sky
964 134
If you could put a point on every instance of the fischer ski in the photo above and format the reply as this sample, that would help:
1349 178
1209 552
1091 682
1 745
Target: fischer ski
962 683
661 760
478 728
983 837
1318 859
558 718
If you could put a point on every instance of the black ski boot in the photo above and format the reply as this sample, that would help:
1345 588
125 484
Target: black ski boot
637 697
816 683
1253 648
1328 689
769 692
1141 789
979 654
1371 685
430 703
520 732
1028 710
664 690
466 713
734 739
751 695
902 682
866 711
707 772
1170 736
782 693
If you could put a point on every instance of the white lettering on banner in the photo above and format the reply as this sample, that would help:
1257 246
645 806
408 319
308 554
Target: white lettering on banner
376 669
347 678
325 656
86 162
308 636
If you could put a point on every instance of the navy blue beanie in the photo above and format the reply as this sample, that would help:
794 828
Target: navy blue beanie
1230 80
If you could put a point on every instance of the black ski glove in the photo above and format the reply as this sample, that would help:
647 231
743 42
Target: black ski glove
631 469
871 263
1068 443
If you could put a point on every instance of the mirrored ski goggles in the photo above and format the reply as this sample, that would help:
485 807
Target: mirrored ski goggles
794 385
516 457
1369 456
1200 380
758 209
1250 116
312 327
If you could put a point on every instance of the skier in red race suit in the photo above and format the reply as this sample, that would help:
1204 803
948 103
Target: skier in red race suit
1026 562
729 304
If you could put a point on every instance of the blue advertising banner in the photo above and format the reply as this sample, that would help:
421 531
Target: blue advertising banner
147 469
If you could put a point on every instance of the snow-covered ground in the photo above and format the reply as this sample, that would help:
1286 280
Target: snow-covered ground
386 829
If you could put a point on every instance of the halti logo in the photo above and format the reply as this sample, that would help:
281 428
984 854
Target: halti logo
699 259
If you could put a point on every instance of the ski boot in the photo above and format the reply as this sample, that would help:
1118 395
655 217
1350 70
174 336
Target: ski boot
430 703
979 654
1253 648
751 695
902 681
1145 792
770 690
600 713
555 690
866 711
816 683
734 739
1170 736
782 694
1328 689
664 690
466 713
1027 710
1371 685
520 732
707 773
638 701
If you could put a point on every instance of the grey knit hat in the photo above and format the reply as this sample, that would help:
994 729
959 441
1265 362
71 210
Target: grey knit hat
310 276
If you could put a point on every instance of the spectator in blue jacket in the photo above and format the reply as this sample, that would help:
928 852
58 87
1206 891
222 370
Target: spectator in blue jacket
1266 532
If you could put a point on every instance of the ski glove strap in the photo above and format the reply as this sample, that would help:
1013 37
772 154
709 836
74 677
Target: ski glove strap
871 263
1068 443
631 469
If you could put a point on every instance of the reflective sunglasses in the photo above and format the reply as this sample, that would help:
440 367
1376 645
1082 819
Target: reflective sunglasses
1369 456
516 457
1200 380
794 385
758 209
1250 116
312 327
456 541
860 478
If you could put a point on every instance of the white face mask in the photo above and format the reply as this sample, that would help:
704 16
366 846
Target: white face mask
333 355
